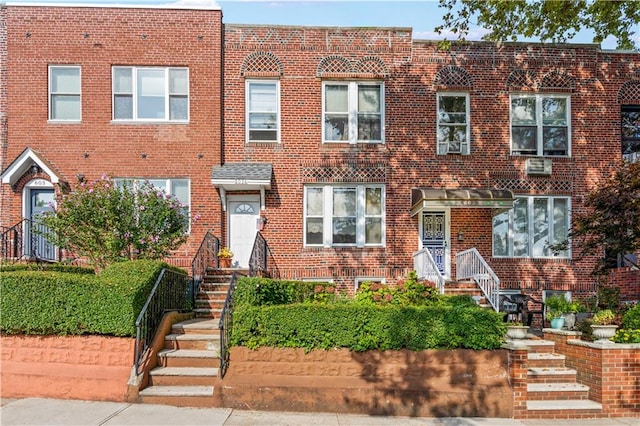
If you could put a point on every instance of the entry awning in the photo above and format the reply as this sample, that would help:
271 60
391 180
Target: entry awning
26 161
461 198
242 177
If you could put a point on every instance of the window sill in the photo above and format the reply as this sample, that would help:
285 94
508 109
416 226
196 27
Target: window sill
150 122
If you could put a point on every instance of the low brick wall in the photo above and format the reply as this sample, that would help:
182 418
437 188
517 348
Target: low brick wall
428 383
611 370
67 367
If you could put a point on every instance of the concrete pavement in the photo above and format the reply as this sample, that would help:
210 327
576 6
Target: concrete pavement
39 411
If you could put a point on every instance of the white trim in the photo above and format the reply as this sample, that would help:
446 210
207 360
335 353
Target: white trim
51 94
358 280
465 147
21 165
247 112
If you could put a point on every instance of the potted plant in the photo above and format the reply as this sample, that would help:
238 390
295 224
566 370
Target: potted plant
556 306
517 330
569 313
603 326
224 257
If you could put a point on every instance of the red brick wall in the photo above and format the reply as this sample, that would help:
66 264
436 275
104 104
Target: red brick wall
628 281
611 371
96 146
69 367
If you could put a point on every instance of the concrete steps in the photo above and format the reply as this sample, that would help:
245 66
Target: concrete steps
552 389
181 396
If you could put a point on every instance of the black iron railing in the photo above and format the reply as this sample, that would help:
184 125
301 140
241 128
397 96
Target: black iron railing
258 259
27 239
206 257
170 293
225 325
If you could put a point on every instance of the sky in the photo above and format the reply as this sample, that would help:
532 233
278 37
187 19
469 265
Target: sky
421 15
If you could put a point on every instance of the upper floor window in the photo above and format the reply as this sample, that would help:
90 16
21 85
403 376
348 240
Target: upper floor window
353 112
349 215
531 227
540 125
262 110
64 93
178 188
151 94
453 123
631 132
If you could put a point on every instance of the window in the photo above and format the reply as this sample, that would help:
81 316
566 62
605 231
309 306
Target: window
263 110
360 280
64 93
344 215
178 188
353 112
531 227
631 132
453 123
151 94
540 125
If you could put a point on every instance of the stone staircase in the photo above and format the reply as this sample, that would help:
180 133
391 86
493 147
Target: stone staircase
469 288
552 389
189 364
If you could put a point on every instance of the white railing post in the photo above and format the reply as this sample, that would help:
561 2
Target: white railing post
427 269
470 264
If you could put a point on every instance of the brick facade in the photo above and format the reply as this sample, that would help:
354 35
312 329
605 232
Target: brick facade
221 58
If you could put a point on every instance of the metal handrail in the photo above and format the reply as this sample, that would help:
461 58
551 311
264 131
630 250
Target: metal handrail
225 325
258 258
169 293
427 269
470 264
24 239
206 257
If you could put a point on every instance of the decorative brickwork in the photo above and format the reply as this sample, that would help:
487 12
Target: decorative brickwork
261 64
345 173
452 76
629 93
521 80
557 80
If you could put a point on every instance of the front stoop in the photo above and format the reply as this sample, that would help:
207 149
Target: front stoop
188 366
552 389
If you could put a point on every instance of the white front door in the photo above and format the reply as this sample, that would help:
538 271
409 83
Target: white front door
244 215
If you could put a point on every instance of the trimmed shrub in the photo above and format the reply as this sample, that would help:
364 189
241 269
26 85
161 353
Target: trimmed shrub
54 302
257 291
366 327
631 318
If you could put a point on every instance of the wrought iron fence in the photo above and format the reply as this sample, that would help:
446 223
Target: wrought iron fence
27 239
206 257
258 259
169 293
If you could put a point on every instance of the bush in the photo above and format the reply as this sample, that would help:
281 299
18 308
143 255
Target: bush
256 291
406 292
584 326
55 302
627 336
631 318
59 267
361 327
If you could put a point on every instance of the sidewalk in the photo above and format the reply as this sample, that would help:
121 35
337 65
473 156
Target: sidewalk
37 411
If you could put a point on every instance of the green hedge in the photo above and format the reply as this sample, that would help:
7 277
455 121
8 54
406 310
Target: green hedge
364 327
55 302
257 291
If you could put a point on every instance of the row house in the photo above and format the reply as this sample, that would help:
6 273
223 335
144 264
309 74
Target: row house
359 154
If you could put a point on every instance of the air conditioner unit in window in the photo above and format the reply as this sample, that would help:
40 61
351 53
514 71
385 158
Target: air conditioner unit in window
538 166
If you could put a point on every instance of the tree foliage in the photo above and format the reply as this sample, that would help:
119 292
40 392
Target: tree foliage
107 222
554 21
611 223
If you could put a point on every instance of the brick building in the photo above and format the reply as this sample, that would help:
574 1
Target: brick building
354 151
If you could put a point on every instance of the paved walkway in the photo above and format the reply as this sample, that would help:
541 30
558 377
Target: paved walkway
37 411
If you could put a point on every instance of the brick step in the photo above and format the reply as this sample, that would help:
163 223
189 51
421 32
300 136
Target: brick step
557 391
195 326
207 287
212 313
210 304
183 376
192 341
545 359
189 358
213 295
565 408
179 396
551 375
539 346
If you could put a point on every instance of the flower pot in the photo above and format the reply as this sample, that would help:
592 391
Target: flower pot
569 320
517 331
603 332
557 323
224 262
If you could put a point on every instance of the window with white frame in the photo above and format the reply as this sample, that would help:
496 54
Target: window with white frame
178 188
353 112
359 280
531 227
262 110
151 94
64 93
540 125
630 118
453 123
344 215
